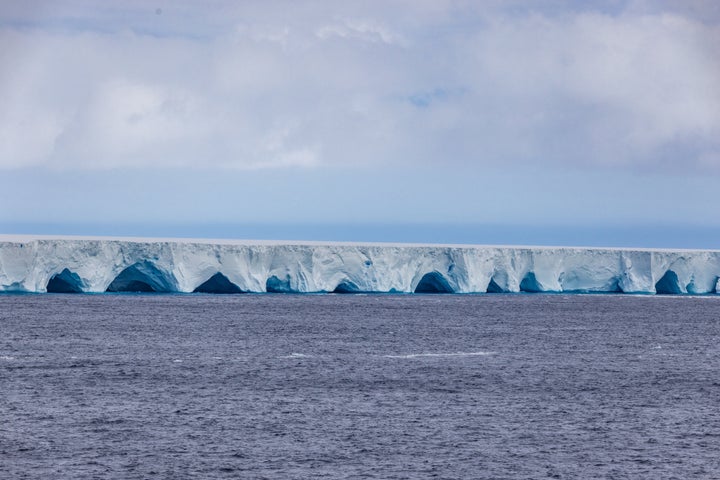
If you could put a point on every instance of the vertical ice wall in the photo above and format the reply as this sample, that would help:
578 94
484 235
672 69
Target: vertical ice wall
99 265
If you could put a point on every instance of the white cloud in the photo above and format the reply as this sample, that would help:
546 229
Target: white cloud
625 88
364 30
259 85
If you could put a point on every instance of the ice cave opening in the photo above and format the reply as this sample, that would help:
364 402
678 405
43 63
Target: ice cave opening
218 283
275 285
65 282
433 282
530 284
493 287
669 284
614 287
142 277
692 288
346 287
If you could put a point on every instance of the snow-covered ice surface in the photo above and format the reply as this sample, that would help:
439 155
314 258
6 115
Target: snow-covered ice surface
72 264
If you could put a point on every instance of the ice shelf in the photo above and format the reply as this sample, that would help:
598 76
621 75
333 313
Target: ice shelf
70 264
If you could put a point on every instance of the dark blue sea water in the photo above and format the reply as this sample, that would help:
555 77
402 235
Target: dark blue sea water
352 386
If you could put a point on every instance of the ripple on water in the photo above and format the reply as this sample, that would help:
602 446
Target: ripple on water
337 386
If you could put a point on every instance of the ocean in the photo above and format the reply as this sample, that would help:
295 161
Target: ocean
494 386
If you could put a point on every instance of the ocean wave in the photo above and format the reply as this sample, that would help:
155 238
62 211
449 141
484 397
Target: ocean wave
296 355
433 355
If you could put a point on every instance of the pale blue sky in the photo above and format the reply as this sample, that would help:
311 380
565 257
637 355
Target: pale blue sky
481 122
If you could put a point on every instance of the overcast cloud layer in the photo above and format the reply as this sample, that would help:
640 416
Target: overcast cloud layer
630 85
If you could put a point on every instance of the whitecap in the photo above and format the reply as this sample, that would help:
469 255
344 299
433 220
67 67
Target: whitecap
439 355
6 357
296 355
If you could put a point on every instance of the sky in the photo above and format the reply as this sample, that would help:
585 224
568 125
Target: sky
533 122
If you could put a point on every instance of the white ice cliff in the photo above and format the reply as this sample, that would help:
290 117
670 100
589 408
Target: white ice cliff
41 264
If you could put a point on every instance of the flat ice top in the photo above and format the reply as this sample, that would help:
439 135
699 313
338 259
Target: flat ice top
21 238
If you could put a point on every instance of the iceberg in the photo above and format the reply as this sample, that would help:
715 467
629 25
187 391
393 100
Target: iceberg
95 264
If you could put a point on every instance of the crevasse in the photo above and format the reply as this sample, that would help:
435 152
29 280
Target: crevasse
67 265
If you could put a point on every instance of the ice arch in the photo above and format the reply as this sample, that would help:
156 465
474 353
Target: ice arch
65 282
141 277
218 283
530 284
276 285
669 284
346 287
433 282
493 287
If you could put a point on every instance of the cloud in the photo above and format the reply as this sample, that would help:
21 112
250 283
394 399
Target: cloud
608 89
364 30
258 85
